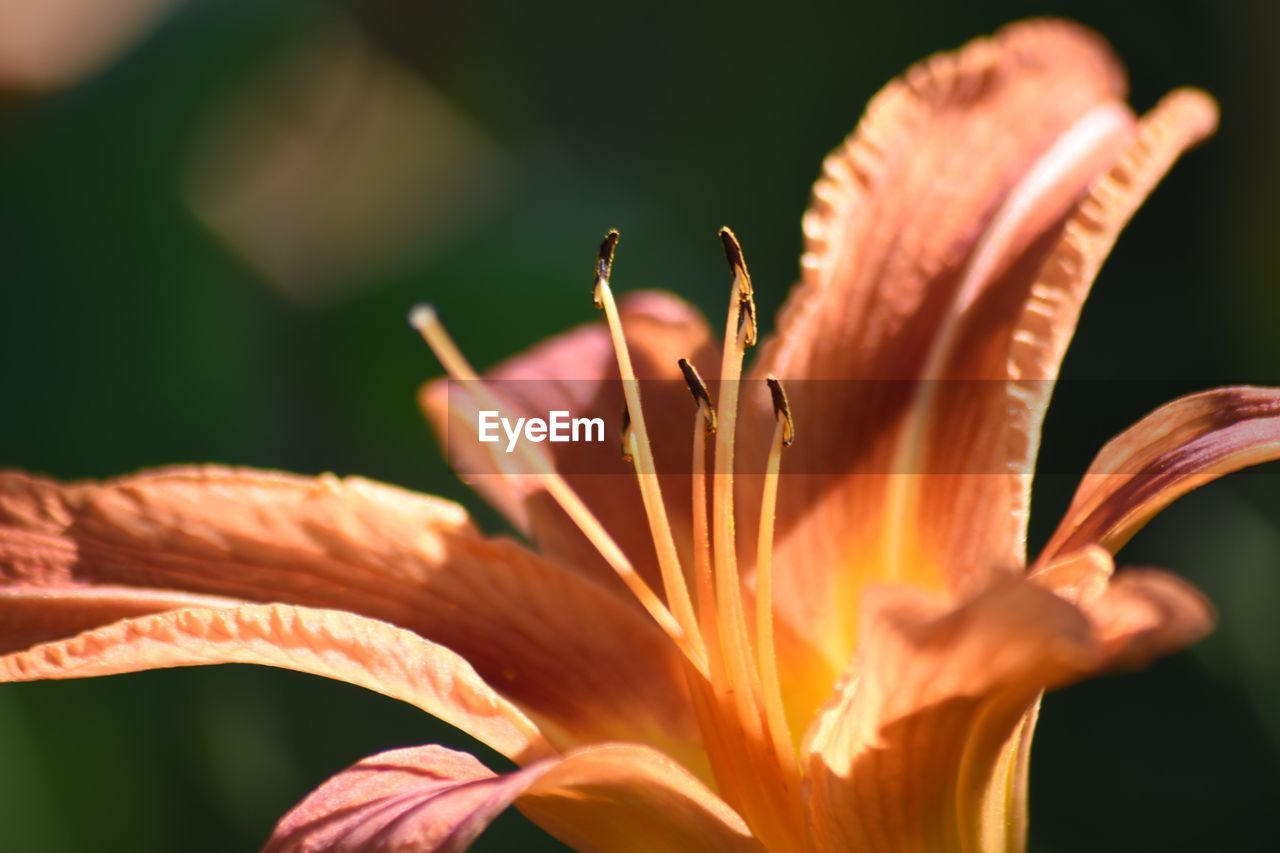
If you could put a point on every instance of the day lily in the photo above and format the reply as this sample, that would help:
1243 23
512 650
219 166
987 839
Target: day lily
847 657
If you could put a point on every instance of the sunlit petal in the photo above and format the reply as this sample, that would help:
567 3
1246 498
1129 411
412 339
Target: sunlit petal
583 662
912 750
923 302
897 220
329 643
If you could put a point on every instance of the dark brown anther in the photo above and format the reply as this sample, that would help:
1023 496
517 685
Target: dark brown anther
604 263
626 435
749 323
746 295
700 394
733 254
782 410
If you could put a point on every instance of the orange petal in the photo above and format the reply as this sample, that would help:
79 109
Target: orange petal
918 752
610 797
1171 451
329 643
587 665
577 371
926 256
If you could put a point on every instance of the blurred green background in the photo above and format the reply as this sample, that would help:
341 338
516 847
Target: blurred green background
148 318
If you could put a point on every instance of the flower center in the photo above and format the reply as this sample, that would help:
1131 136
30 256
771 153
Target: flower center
736 691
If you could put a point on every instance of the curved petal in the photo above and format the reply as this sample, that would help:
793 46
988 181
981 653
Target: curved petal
329 643
607 797
917 237
586 665
936 274
1048 321
577 371
914 752
1175 449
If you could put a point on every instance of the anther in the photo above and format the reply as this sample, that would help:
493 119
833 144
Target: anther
627 438
700 394
604 264
749 323
737 264
746 295
782 409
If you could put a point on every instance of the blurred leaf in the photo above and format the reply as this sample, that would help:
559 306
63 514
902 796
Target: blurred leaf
336 163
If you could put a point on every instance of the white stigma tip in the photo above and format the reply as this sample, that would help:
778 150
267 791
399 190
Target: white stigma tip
422 316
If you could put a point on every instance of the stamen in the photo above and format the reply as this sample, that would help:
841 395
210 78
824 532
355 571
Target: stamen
766 652
737 263
673 580
424 320
733 625
604 264
781 409
746 295
776 805
704 425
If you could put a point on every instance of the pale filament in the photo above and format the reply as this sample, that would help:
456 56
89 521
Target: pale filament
423 319
766 651
704 425
637 441
771 799
735 642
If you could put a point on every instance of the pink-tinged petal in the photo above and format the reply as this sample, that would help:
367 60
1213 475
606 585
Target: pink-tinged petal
421 798
607 797
329 643
56 42
577 371
939 234
923 746
586 665
1175 449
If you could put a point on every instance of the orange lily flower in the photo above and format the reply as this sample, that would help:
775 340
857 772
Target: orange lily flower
847 657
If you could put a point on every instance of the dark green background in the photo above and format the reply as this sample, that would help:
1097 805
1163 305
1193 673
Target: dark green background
131 338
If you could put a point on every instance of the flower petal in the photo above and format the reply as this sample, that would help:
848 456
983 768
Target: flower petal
914 748
577 371
925 289
586 665
1175 449
610 797
329 643
1039 341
